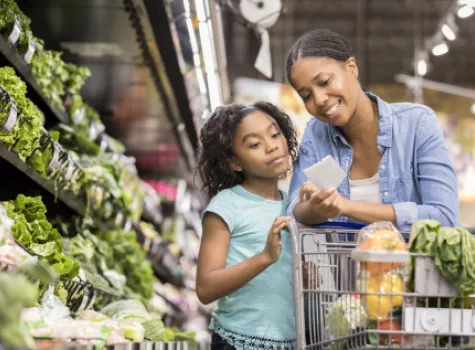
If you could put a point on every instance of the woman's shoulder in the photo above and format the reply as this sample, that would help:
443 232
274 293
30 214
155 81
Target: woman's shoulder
414 118
412 112
316 131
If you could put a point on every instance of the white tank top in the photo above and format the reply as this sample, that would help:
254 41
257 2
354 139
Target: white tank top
366 190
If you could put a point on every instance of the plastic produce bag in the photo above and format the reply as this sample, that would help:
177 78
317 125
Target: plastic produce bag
380 280
12 254
5 226
127 309
130 314
345 315
378 237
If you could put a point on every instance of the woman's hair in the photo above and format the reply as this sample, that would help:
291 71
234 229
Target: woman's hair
319 43
216 137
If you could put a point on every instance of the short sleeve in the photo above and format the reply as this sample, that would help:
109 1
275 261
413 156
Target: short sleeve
221 205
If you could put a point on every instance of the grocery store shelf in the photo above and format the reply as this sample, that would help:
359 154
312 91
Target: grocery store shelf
72 202
34 91
85 344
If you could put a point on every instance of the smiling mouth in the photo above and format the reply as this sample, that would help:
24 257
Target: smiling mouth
332 110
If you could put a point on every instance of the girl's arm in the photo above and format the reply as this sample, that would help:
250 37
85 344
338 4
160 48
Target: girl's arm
214 280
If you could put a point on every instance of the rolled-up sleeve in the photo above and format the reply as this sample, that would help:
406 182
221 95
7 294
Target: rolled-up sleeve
437 181
305 159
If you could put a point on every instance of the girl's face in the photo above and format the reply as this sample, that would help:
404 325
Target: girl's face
259 147
329 88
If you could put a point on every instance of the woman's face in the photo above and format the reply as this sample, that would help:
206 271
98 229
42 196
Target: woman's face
329 88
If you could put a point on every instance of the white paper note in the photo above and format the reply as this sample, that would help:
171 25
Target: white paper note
326 174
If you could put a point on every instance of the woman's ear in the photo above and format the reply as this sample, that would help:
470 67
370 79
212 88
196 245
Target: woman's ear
235 165
352 66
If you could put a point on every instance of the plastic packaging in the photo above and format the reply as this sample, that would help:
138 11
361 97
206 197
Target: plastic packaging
382 253
345 315
5 225
381 237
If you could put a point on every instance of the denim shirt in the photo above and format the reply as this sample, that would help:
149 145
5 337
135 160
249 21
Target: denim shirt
415 173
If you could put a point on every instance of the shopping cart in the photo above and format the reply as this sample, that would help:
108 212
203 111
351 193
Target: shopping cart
332 299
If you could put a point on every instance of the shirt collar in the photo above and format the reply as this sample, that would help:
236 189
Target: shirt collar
385 124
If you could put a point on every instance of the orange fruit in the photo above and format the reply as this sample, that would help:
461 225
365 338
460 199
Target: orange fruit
382 240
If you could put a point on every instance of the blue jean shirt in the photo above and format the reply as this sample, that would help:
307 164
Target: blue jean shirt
415 173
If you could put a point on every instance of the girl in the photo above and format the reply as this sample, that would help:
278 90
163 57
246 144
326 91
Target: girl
244 260
398 167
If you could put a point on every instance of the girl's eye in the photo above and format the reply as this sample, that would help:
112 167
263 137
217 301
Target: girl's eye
306 97
276 135
324 83
255 145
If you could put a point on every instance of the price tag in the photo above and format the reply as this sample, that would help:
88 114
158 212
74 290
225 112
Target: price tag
88 297
78 115
147 244
15 34
12 116
119 219
104 142
70 170
53 164
128 225
31 51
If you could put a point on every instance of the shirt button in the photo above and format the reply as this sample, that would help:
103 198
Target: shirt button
386 194
383 167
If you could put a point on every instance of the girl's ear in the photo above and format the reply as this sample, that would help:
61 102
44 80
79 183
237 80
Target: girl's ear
235 165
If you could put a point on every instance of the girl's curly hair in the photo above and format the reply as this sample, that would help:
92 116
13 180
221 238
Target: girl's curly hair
216 142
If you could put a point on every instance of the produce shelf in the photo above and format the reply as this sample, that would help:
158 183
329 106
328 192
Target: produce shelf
145 345
82 294
71 201
34 91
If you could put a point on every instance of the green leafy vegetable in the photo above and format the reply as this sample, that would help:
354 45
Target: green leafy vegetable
24 138
35 233
453 250
49 71
11 305
130 260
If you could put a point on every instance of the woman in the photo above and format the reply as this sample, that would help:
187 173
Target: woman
397 164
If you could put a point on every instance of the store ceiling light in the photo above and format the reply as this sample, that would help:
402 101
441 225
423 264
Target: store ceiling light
440 49
472 109
448 32
422 67
465 11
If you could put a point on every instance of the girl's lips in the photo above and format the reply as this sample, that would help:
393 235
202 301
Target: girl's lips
276 161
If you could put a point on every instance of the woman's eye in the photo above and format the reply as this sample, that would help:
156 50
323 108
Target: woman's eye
276 135
324 83
306 97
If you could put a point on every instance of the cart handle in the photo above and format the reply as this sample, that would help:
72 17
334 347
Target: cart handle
341 225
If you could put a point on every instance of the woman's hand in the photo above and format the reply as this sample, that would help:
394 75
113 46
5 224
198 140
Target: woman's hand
274 242
325 203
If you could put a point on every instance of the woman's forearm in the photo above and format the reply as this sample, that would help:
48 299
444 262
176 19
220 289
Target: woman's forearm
368 212
305 214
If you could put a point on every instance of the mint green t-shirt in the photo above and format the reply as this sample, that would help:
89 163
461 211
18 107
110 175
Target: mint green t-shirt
262 310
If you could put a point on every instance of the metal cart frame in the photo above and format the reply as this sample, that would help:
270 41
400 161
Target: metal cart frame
330 248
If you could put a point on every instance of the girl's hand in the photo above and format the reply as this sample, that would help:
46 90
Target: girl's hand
325 203
274 242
